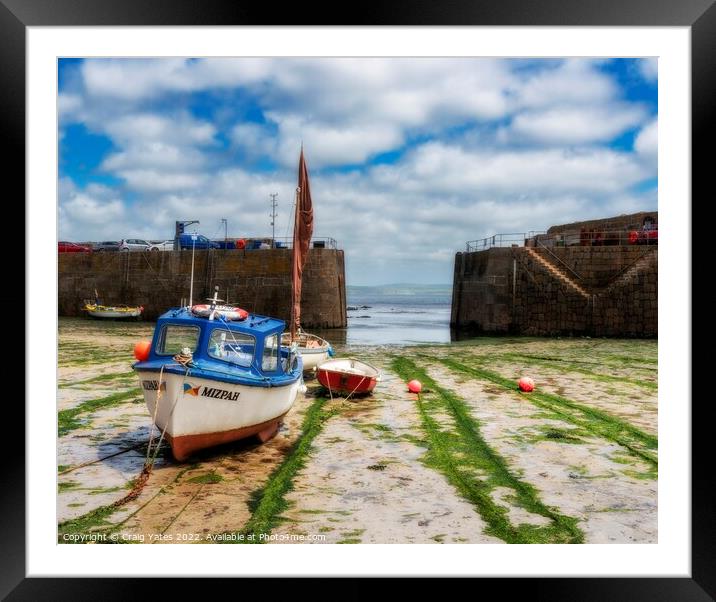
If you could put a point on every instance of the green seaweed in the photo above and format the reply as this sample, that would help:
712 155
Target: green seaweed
268 503
67 485
591 419
475 469
570 366
67 419
205 479
98 379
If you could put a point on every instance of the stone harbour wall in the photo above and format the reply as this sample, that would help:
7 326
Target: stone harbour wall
595 291
256 280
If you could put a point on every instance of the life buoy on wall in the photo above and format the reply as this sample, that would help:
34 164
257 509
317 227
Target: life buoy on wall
633 237
241 243
226 311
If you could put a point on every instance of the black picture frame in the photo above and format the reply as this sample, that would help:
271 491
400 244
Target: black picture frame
699 15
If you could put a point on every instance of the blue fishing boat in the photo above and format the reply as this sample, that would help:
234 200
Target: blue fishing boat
214 374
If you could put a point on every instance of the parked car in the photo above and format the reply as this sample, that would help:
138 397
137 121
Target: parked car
106 245
227 244
201 242
167 245
72 247
134 244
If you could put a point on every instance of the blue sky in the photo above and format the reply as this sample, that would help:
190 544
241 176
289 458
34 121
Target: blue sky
408 157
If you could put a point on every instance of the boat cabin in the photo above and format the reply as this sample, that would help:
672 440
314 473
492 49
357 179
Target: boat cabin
246 350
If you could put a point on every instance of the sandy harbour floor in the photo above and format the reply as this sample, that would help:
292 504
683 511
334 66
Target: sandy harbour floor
472 460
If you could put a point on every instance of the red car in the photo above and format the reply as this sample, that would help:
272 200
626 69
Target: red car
72 247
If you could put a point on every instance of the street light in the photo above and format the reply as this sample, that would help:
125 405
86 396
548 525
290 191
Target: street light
191 283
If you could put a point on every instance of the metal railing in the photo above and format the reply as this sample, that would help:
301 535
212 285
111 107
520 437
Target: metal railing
497 240
559 259
584 238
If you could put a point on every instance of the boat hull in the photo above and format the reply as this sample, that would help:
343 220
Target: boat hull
114 314
199 413
349 379
312 357
313 349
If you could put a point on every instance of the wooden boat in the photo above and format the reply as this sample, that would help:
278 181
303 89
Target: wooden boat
348 376
113 312
213 378
312 348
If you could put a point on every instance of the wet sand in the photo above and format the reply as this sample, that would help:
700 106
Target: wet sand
367 477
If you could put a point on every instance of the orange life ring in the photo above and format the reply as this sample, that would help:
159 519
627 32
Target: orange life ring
241 244
633 237
226 311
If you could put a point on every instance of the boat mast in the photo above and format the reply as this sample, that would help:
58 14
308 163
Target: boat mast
293 267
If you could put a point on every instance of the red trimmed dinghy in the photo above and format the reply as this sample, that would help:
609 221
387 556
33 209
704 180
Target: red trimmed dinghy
348 376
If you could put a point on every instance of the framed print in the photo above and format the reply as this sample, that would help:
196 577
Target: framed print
437 336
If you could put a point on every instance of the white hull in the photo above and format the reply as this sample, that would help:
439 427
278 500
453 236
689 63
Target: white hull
184 413
312 357
312 349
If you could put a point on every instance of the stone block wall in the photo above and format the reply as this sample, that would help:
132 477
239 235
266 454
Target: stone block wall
506 290
257 280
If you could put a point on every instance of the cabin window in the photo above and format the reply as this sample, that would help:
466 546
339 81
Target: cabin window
174 338
229 346
270 358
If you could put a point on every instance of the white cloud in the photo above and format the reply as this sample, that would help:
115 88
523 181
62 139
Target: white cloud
451 169
152 127
335 145
649 69
575 81
647 141
68 104
148 180
254 139
577 125
84 214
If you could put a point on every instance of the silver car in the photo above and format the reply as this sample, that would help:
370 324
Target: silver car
167 245
134 244
107 245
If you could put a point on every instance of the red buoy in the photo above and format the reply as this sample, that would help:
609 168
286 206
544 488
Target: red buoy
241 243
141 350
415 386
526 384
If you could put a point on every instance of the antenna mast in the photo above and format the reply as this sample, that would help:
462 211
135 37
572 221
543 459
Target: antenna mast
273 214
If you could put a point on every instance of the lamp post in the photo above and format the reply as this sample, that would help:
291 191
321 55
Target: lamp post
191 283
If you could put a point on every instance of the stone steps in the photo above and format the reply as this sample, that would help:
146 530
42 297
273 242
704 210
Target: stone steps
633 271
558 273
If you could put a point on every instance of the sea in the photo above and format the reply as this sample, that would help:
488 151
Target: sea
398 314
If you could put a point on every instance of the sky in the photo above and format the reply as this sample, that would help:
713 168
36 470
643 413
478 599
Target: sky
408 158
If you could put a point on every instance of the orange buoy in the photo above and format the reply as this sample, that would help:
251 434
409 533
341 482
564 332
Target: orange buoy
241 244
526 384
141 350
415 386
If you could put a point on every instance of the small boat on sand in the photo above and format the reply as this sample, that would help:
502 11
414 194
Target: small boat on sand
348 376
96 309
113 312
313 349
214 377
